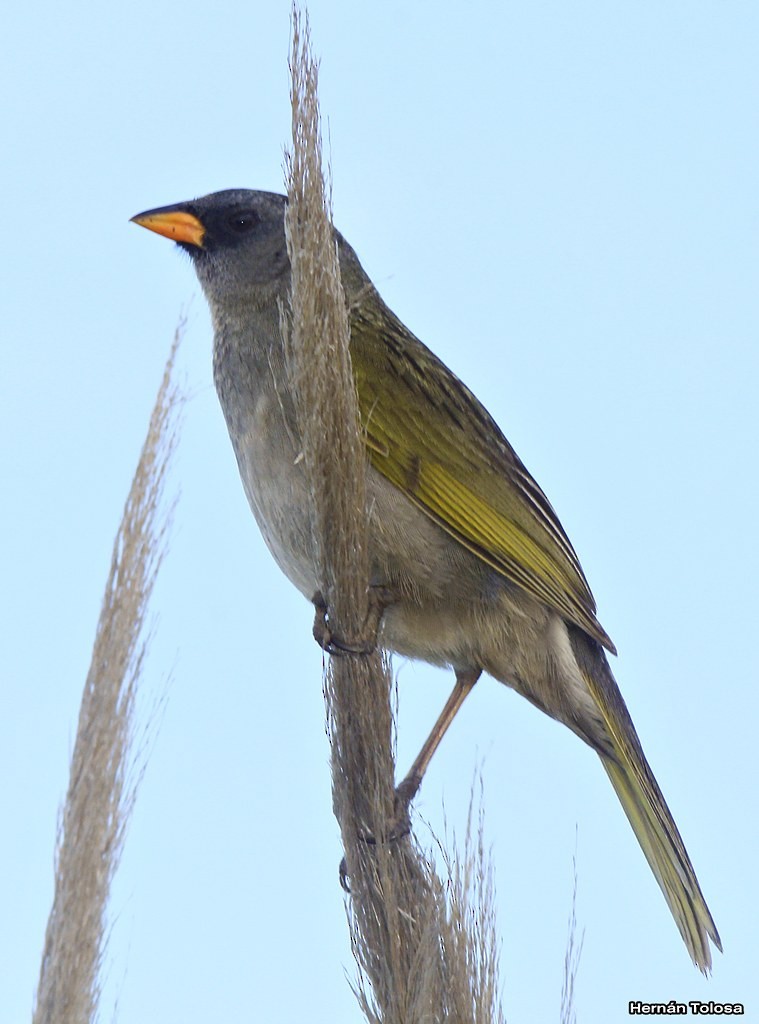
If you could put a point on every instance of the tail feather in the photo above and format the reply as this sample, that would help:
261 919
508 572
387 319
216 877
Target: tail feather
651 820
660 841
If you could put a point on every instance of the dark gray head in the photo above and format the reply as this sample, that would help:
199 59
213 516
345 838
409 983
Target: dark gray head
236 239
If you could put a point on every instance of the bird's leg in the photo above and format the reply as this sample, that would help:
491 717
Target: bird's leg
379 598
408 788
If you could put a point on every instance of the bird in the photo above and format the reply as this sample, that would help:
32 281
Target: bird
481 574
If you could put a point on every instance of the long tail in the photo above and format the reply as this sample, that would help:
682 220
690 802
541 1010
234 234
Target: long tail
647 812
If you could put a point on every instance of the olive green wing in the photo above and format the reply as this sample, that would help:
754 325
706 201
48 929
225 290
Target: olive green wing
427 434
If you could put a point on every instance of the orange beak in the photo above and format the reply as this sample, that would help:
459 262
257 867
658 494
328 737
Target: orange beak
178 225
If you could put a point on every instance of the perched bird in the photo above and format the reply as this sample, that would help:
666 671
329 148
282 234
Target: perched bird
482 576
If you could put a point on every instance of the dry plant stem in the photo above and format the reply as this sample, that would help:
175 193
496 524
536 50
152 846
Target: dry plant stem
415 964
571 958
334 460
104 767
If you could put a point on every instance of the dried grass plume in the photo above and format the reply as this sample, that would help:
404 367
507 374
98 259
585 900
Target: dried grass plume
425 952
105 768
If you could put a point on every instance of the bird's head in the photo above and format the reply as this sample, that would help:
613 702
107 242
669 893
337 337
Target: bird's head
236 240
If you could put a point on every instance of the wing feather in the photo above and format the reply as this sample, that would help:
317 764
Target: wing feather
429 433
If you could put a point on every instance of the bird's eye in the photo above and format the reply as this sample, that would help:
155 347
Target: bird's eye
243 221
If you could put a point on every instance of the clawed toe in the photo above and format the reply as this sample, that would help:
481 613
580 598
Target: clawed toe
378 599
398 827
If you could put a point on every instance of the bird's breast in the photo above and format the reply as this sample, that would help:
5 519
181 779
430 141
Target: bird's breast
252 388
443 591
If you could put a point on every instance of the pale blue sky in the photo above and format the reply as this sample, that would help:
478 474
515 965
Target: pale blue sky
560 198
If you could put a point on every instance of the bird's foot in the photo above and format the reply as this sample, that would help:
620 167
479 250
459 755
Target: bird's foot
398 827
379 598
